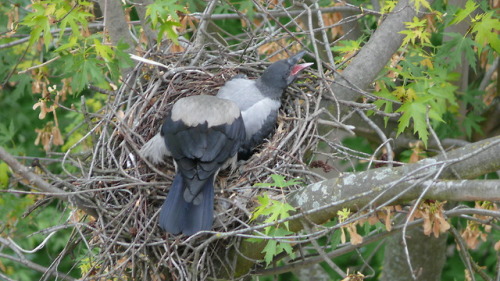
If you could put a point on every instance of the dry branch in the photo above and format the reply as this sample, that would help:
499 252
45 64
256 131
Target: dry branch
37 182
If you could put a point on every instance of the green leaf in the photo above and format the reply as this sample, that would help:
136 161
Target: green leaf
260 210
388 6
7 134
416 29
461 14
486 28
385 104
168 28
415 111
270 251
423 3
4 175
105 51
275 247
72 43
273 210
163 16
336 237
454 47
347 46
471 124
163 10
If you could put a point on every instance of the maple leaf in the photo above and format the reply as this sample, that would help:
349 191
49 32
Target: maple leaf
461 14
484 27
424 3
414 111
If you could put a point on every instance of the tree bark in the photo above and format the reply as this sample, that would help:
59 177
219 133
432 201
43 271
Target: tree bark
373 57
115 24
141 12
116 27
421 249
320 202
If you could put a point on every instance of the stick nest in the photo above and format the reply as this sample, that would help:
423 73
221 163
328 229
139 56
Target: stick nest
129 190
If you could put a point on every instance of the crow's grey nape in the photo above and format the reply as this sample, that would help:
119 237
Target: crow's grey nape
259 100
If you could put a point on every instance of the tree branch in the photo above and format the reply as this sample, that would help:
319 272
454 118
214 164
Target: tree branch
35 180
320 202
348 8
385 185
115 24
373 57
29 264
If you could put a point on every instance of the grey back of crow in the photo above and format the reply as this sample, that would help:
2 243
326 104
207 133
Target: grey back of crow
202 134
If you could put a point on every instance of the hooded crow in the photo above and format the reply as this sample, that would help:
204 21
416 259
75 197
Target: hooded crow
202 134
259 100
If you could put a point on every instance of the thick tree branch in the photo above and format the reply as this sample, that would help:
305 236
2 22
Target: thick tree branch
36 181
115 24
378 186
140 6
373 57
320 202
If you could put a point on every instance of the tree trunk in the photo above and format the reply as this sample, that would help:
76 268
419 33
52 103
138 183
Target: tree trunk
427 257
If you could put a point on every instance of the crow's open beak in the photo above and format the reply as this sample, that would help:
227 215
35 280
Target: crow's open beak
297 68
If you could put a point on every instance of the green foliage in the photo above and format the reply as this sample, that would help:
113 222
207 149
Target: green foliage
416 30
454 47
424 84
163 17
46 13
7 133
347 48
273 210
388 6
471 124
4 175
270 210
275 247
422 3
279 181
72 58
85 61
20 228
462 14
486 28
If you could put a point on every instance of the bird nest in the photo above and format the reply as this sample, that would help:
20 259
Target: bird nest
129 190
133 189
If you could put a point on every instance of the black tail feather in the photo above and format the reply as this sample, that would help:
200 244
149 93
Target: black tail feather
178 216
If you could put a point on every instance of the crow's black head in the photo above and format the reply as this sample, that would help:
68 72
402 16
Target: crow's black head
282 73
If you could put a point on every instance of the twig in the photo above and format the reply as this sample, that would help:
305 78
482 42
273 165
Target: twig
287 13
488 74
464 254
381 135
36 180
29 264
